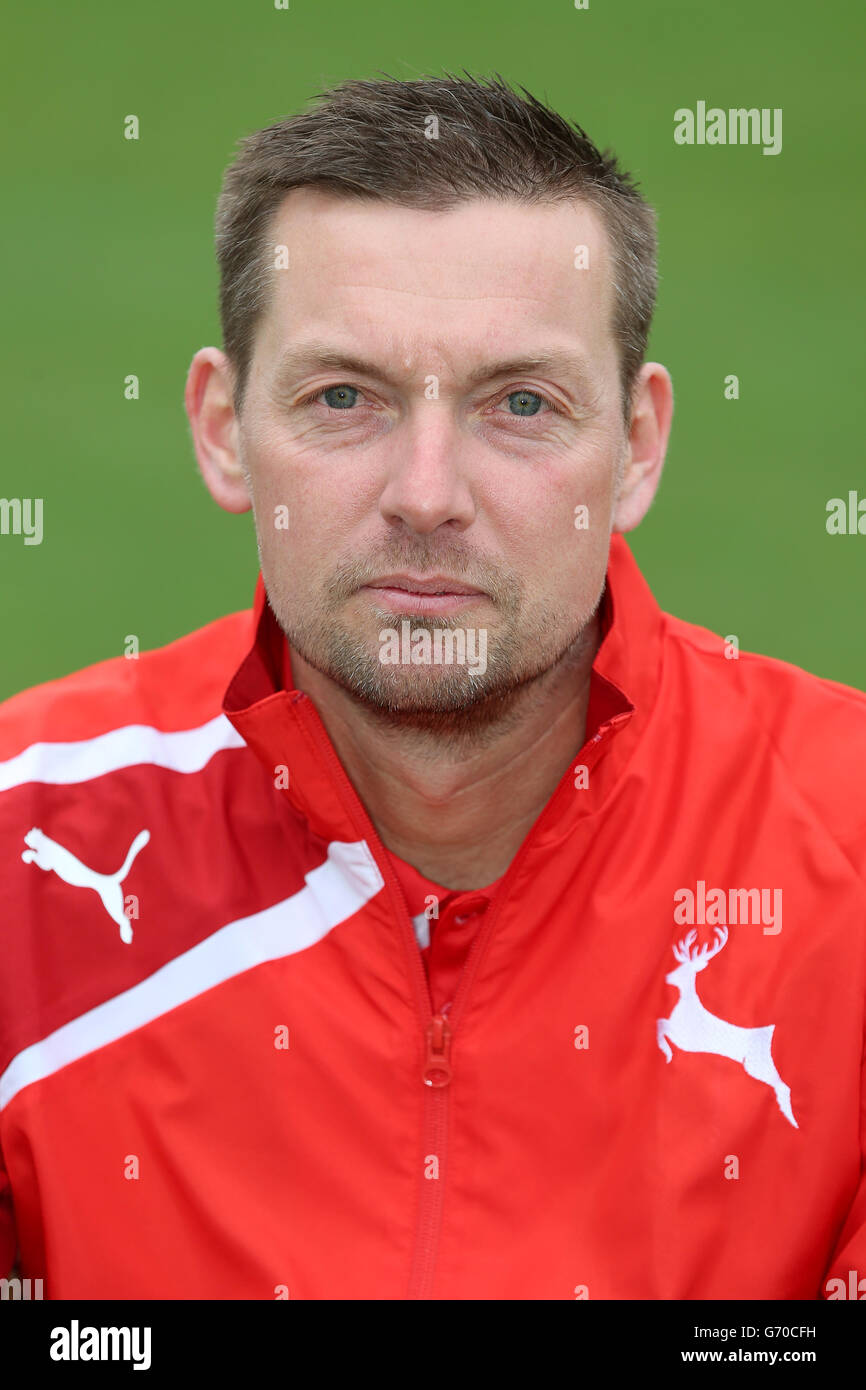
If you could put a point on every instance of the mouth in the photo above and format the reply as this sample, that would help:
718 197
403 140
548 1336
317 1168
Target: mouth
412 584
433 594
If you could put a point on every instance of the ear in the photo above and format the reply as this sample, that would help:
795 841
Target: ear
652 411
214 425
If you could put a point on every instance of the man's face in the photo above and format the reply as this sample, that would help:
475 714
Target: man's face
414 449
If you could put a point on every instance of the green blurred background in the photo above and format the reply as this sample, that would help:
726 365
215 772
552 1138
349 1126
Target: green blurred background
109 269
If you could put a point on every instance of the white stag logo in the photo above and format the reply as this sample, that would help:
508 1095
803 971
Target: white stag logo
694 1029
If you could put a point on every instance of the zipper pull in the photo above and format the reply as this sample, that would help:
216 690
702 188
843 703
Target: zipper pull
437 1069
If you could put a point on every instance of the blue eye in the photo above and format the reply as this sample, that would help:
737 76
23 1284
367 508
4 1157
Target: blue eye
525 402
340 397
522 403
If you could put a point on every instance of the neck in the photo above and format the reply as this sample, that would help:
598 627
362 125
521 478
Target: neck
457 798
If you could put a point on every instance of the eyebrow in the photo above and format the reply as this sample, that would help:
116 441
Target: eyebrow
319 356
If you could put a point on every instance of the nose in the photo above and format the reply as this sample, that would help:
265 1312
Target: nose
427 483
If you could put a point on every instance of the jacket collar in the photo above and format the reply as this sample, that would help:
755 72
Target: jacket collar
282 727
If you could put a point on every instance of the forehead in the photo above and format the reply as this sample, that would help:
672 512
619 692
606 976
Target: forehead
432 284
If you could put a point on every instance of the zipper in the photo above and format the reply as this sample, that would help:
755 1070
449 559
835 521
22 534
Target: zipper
437 1067
436 1073
436 1037
589 755
440 1030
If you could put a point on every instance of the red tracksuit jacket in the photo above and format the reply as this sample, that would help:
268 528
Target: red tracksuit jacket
633 1068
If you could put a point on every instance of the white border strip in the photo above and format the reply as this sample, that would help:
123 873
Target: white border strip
185 750
334 891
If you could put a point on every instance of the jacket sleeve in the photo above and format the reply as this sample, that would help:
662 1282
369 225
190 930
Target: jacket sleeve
8 1240
849 1253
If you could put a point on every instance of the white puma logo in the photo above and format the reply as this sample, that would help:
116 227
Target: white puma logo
694 1029
48 854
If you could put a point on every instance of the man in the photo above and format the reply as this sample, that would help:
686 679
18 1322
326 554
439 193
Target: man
391 980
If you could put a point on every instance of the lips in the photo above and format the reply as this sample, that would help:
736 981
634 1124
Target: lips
437 584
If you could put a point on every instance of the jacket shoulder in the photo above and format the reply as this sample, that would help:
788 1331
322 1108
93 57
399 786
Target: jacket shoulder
171 687
815 727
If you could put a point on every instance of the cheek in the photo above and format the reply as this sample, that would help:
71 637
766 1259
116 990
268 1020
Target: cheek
290 498
308 527
557 532
562 506
311 480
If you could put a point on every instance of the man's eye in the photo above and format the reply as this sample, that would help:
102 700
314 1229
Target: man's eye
527 402
521 403
339 397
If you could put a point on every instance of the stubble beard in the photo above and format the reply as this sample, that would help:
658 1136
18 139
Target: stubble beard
447 701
